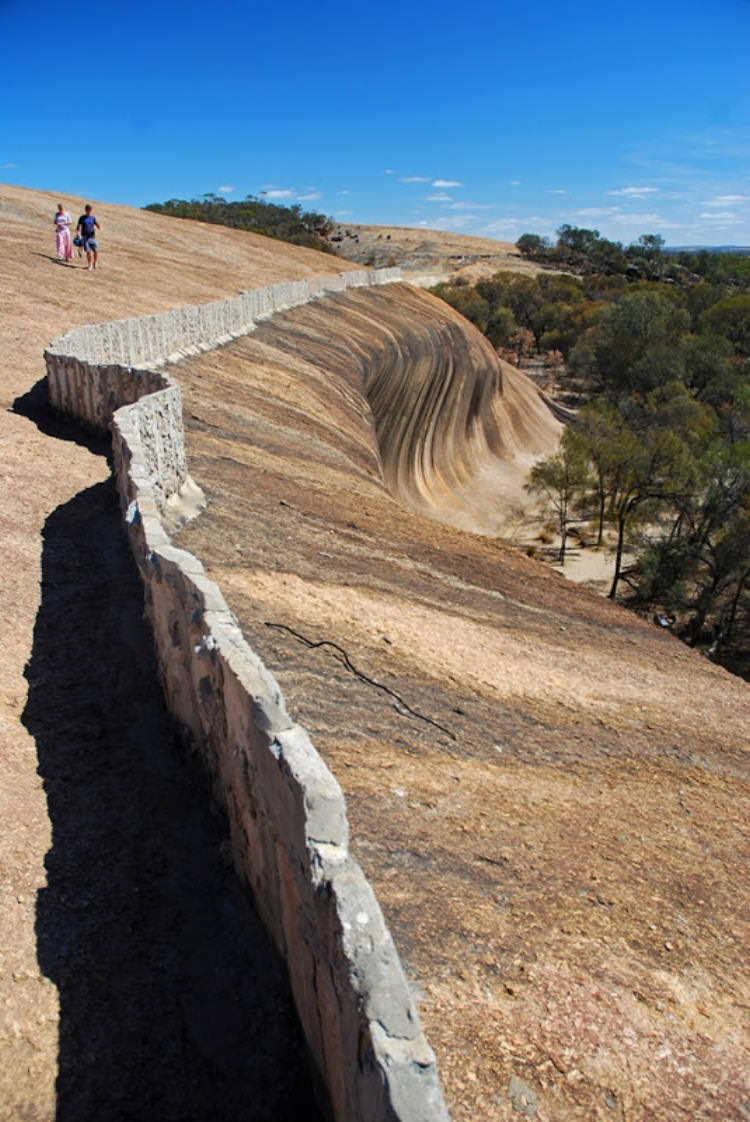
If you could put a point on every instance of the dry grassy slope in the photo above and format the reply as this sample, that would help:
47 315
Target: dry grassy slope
148 264
425 252
563 861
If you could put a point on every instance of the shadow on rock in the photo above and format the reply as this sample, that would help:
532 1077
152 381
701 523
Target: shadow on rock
173 1002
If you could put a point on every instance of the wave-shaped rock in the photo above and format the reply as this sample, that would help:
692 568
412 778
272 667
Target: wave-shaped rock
456 429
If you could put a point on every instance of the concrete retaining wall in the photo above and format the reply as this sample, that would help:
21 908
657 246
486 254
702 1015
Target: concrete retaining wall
286 811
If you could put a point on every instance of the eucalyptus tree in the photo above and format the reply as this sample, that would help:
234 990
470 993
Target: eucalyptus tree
561 480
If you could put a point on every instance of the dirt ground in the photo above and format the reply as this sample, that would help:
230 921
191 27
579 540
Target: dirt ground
118 998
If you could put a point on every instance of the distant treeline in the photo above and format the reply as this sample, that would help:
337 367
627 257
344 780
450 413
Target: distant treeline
586 251
287 223
740 250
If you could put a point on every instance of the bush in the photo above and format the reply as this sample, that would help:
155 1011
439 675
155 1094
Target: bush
289 224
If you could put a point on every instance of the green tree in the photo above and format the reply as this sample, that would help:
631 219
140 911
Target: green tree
562 324
706 363
731 318
701 569
635 345
501 326
561 287
577 241
290 224
560 480
524 298
466 300
651 245
607 257
699 298
604 437
602 287
647 473
532 245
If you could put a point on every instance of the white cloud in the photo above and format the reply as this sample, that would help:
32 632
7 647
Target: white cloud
726 200
277 193
515 182
310 195
503 226
343 213
442 198
644 220
455 223
415 179
446 183
511 227
470 206
635 192
226 190
344 191
388 171
556 191
596 212
719 216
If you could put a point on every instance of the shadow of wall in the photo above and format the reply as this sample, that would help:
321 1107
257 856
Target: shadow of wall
173 1002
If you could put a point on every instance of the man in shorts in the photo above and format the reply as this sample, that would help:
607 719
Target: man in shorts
87 227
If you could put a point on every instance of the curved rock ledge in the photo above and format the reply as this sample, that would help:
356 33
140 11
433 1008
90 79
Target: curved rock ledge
286 811
456 429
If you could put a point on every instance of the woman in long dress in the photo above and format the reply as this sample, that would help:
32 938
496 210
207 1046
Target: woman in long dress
62 230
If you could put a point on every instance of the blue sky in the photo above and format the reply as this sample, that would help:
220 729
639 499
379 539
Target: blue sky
496 119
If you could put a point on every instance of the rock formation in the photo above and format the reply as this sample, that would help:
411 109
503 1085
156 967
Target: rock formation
548 794
456 429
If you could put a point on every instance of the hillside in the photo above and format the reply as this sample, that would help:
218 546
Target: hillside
427 253
560 848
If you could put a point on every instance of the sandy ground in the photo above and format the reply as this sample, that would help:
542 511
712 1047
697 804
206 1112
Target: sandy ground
531 529
56 981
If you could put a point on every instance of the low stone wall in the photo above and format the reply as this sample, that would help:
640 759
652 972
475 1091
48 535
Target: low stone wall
192 328
287 815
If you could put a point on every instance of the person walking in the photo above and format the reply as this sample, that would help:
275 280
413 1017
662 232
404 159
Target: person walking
62 234
87 225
